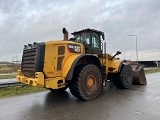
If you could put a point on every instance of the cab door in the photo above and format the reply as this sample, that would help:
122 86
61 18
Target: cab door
96 44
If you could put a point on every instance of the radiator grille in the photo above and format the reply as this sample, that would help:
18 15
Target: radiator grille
28 62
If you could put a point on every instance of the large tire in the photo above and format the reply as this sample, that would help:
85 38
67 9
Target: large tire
58 90
86 83
124 79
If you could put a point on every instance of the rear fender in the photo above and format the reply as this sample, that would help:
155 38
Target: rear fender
123 62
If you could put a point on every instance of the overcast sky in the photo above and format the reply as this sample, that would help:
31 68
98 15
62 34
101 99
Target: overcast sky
28 21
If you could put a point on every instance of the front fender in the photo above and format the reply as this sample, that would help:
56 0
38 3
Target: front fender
115 66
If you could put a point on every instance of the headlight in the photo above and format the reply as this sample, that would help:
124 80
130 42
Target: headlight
30 46
77 48
25 47
34 44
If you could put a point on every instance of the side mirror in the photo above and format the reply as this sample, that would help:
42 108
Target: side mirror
118 52
103 37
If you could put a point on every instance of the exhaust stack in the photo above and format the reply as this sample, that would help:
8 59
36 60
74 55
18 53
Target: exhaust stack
65 32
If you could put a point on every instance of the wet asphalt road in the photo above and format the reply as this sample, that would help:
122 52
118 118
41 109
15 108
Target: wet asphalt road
137 103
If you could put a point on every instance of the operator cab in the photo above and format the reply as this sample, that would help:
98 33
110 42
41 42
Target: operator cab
91 39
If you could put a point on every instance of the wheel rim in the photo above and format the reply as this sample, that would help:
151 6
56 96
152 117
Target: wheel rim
91 82
128 76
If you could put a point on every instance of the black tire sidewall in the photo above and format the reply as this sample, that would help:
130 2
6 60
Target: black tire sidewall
87 70
126 84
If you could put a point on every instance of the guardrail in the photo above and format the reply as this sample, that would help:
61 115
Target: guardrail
155 63
10 84
158 63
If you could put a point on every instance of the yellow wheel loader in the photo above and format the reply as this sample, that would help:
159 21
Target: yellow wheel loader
80 63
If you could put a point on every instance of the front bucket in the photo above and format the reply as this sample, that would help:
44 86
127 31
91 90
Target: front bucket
138 74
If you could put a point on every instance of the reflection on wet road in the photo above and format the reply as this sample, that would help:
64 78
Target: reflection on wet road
137 103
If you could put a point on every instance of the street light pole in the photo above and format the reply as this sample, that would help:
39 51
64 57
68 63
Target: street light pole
136 47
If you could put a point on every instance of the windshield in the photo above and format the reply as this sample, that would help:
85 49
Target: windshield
82 38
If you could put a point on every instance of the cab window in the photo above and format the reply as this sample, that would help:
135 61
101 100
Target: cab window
83 38
95 41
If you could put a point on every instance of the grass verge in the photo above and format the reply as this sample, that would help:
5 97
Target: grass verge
7 76
13 91
152 70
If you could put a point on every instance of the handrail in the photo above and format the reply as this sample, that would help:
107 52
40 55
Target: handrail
10 84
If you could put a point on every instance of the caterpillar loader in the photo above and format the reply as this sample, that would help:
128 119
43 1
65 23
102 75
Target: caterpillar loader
80 63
